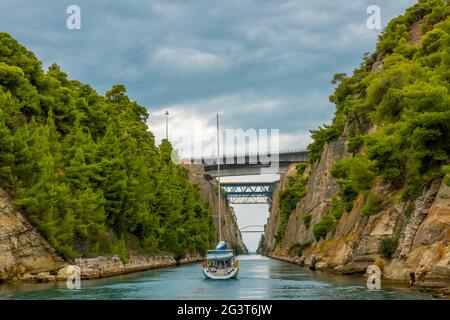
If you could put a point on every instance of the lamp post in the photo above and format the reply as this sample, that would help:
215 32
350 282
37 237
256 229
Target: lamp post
167 125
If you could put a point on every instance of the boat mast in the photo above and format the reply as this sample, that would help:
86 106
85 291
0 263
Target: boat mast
218 180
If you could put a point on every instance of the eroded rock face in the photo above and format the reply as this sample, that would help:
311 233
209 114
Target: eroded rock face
422 206
321 189
208 191
378 64
423 235
415 33
436 225
268 244
105 266
22 249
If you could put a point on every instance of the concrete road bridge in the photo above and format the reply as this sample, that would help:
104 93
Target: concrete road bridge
250 164
246 165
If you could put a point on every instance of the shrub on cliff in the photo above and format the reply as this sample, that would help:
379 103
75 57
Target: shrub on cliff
373 204
279 236
301 167
338 207
322 135
290 196
446 169
297 249
355 143
409 209
324 226
387 247
120 249
306 220
354 175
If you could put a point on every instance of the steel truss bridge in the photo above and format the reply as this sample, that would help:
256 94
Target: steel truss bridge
248 164
248 192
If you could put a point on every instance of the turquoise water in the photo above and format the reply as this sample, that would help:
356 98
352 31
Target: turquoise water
260 278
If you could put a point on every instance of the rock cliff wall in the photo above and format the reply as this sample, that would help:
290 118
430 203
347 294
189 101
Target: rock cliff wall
208 191
418 230
22 249
268 243
423 234
99 267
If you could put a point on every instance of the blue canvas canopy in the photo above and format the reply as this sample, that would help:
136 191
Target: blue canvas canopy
219 255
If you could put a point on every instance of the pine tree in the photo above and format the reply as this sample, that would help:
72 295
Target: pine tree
85 169
6 153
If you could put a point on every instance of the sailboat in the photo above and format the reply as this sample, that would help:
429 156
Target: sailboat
220 263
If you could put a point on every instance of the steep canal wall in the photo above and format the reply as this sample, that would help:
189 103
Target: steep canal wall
22 248
26 256
398 220
208 191
423 235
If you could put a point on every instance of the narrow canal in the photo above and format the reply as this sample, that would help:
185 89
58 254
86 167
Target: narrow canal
260 278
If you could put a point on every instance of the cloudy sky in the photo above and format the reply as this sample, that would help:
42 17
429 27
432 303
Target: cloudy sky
261 64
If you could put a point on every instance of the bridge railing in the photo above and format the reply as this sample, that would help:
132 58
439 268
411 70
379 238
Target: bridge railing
213 160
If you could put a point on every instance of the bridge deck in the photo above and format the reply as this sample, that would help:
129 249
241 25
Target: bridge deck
250 164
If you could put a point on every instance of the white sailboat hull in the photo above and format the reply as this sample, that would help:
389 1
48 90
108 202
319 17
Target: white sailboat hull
220 275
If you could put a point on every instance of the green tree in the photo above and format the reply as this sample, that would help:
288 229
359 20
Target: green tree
6 152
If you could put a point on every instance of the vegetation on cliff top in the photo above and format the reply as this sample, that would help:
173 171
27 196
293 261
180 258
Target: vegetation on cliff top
407 100
85 169
402 90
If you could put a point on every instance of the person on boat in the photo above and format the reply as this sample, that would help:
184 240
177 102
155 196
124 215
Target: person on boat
412 278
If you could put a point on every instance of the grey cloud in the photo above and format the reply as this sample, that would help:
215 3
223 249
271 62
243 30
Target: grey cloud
193 53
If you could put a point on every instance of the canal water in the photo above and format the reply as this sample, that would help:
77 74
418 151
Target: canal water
259 278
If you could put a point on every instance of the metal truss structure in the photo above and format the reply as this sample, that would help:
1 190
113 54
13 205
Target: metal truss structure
248 192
